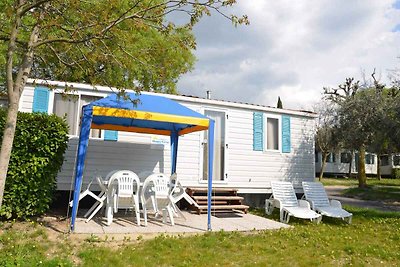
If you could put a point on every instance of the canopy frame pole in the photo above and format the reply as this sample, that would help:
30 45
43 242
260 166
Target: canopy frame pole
210 171
174 137
87 116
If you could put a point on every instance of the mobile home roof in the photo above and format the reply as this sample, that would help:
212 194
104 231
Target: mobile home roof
185 98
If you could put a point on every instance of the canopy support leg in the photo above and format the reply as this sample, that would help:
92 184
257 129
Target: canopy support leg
80 162
210 170
174 151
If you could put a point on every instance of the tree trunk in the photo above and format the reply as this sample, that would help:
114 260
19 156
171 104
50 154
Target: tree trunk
15 86
378 166
362 177
8 138
351 163
324 157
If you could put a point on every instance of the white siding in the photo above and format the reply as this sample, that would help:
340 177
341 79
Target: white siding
255 169
26 100
387 170
249 171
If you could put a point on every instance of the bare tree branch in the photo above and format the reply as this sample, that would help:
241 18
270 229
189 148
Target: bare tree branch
26 8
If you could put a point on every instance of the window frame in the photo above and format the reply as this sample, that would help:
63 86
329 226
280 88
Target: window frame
79 94
369 159
279 118
350 157
331 158
393 160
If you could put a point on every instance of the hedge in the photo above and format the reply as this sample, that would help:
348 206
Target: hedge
396 173
37 156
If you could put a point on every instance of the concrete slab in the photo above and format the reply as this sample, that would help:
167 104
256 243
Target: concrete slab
192 223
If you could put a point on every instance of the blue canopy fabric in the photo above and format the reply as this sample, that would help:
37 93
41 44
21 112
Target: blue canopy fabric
147 114
143 114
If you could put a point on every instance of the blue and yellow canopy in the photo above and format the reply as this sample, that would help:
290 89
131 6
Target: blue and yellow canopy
145 114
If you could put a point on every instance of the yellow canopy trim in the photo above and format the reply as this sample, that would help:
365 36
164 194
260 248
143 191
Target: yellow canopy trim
151 116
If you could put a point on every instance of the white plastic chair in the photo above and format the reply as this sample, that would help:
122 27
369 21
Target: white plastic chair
156 186
123 192
100 198
178 192
284 198
314 192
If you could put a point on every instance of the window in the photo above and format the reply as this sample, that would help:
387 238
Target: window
396 160
345 157
70 107
272 134
331 158
370 159
384 160
316 156
3 102
67 106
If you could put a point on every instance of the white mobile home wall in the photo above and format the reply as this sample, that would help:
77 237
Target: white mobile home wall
386 169
247 170
338 168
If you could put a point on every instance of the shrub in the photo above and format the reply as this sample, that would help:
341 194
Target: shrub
37 156
396 173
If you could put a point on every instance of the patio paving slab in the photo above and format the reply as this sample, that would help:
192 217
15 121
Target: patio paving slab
193 223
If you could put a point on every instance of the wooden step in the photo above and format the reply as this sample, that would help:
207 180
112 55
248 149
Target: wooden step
216 190
217 198
203 208
213 202
222 199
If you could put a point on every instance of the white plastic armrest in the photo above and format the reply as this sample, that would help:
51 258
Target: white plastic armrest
277 204
311 204
336 203
269 206
304 204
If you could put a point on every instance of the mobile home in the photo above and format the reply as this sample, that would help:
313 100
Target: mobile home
254 144
338 163
388 163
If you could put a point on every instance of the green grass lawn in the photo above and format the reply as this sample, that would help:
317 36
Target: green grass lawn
372 240
385 189
354 181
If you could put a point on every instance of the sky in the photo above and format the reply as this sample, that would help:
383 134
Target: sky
293 49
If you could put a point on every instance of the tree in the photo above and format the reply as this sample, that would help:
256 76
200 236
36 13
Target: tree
351 122
326 139
393 116
361 118
120 43
279 104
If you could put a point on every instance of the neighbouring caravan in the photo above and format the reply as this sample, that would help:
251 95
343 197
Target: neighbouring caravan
253 144
388 163
338 164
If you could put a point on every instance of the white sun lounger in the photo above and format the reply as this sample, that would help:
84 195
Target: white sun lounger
314 192
284 198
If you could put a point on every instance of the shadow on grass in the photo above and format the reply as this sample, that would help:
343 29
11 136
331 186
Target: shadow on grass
387 182
374 192
372 213
358 213
296 221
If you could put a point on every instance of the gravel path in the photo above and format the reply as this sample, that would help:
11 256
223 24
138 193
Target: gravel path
335 192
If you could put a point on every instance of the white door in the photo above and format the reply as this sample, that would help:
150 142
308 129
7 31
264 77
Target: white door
219 166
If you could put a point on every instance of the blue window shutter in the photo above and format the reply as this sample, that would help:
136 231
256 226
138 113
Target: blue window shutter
258 129
286 142
41 100
110 135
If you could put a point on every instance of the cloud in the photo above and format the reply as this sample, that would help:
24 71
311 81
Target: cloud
292 49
